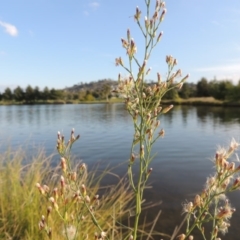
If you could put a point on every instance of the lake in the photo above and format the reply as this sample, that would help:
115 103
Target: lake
183 161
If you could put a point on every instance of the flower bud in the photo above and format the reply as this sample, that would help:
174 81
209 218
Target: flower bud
49 210
181 236
46 188
55 205
148 71
149 172
159 78
165 110
146 23
74 176
124 43
128 35
161 133
63 164
40 188
55 193
132 159
197 201
118 61
157 123
84 191
138 14
159 36
163 14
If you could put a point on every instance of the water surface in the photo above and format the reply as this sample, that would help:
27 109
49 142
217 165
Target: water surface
183 158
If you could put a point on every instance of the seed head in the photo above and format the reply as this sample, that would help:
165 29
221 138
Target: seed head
148 71
159 36
146 22
49 210
55 193
181 236
161 133
84 191
163 14
124 43
133 157
118 61
55 205
74 176
63 164
128 35
165 110
40 188
197 201
138 14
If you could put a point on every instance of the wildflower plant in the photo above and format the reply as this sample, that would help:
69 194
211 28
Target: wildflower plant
212 206
142 100
70 200
72 207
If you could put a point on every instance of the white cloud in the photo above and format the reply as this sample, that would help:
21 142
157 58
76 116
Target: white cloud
221 68
94 5
228 71
9 28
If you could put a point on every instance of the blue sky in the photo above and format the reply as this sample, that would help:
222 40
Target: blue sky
58 43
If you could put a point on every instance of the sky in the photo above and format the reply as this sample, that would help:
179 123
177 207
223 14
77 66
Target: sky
59 43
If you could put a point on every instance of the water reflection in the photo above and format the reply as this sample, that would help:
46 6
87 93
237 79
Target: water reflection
219 114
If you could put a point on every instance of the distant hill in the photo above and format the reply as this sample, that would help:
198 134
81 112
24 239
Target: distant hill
91 86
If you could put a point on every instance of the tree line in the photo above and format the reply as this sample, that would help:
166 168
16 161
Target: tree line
30 94
102 89
219 89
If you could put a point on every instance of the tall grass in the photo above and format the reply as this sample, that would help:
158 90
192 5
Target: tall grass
21 207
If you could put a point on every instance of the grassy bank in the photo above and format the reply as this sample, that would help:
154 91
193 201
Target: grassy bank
115 100
21 205
201 101
196 101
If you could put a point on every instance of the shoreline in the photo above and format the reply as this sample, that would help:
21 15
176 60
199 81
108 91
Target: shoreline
201 101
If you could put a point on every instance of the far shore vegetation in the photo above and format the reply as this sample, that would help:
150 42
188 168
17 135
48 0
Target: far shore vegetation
204 92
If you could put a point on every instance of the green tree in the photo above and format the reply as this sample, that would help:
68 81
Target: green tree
46 94
56 94
171 94
106 90
7 95
202 88
234 93
29 94
96 94
75 96
18 94
89 97
221 90
37 93
186 91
